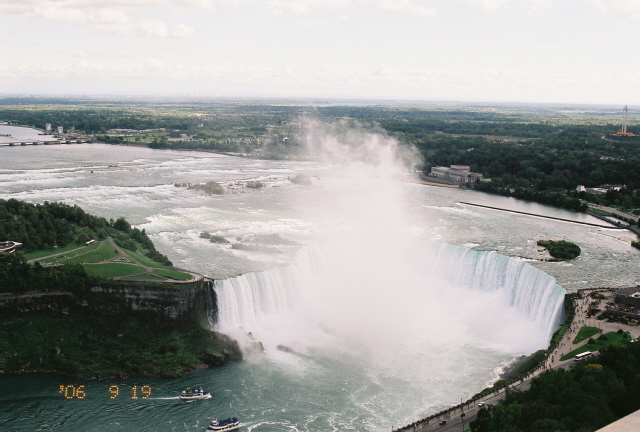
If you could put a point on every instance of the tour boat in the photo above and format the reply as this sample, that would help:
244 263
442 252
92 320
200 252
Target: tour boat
228 424
194 394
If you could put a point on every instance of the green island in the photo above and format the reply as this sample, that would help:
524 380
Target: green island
69 293
561 250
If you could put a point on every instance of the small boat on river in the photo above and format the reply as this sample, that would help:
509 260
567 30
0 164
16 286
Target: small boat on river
194 394
228 424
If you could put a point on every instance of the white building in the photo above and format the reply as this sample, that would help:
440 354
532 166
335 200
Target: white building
455 174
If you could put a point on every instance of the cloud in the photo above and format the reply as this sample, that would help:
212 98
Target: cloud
107 19
625 9
383 74
182 31
489 4
408 6
112 16
12 7
303 7
151 76
152 28
60 14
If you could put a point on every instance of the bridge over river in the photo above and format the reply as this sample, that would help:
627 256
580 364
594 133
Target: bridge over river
43 142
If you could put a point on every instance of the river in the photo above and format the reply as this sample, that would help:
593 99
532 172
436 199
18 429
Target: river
383 322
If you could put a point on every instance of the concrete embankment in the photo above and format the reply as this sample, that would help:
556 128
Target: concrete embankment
543 216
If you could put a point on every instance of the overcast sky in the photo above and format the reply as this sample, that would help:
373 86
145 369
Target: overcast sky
573 51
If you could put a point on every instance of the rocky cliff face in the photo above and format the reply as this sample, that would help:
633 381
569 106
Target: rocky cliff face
116 315
174 302
177 302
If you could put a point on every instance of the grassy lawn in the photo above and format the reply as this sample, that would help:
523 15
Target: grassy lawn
144 260
597 210
144 277
71 258
585 333
82 250
110 270
614 338
104 252
47 252
173 274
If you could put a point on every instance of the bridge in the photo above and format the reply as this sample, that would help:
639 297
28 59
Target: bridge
41 142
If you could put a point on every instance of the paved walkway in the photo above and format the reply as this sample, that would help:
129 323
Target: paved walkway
580 320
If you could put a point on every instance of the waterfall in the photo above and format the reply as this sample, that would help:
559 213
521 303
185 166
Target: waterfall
285 301
530 291
244 299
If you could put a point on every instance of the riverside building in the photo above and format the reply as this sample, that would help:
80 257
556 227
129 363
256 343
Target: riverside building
460 175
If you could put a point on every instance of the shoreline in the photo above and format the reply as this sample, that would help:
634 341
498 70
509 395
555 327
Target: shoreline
540 216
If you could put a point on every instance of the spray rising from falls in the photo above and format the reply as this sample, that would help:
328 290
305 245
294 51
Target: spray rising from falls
369 283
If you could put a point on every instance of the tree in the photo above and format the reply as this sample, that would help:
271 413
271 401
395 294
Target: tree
121 224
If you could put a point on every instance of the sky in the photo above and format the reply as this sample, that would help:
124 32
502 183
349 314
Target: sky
562 51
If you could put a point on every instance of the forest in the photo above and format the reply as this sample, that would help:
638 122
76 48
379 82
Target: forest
587 397
533 152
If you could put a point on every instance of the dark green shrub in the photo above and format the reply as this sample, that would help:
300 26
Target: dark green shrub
562 249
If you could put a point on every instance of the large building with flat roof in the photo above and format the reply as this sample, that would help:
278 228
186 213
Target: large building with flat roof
455 174
628 298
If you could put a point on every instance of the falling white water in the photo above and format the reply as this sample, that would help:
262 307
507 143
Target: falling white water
474 297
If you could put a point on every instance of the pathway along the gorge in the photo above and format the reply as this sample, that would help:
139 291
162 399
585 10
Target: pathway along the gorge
454 416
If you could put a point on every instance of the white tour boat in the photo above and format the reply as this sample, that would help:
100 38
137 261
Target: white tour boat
194 394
